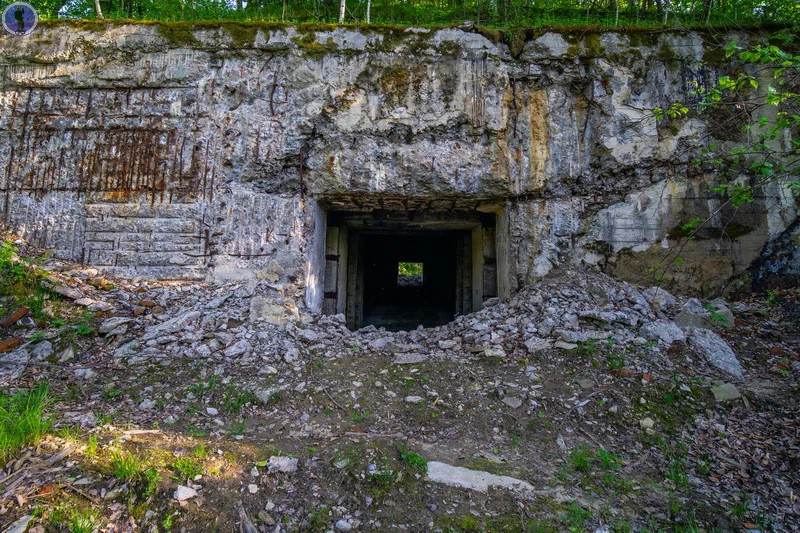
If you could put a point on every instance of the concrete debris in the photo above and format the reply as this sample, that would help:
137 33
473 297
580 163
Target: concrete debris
662 330
410 359
725 392
183 493
512 402
285 465
477 480
716 351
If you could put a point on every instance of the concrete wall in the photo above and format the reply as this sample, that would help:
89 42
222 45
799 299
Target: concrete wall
180 152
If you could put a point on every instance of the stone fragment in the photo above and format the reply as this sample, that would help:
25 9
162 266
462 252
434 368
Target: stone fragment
42 350
20 525
68 292
266 518
648 424
273 310
716 351
94 305
565 345
477 480
659 298
174 325
85 373
537 344
286 465
12 366
414 399
610 316
239 348
147 405
722 314
448 344
183 493
662 330
512 401
343 525
496 352
112 324
265 395
725 392
692 314
581 336
67 355
410 358
212 411
252 488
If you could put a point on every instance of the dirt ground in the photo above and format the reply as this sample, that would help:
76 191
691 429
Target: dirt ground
623 437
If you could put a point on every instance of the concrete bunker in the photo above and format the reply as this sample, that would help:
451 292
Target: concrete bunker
409 265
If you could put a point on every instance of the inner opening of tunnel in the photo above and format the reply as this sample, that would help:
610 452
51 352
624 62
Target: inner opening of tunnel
401 269
399 302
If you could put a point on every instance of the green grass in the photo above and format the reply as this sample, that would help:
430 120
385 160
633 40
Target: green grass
22 420
20 279
581 458
576 518
412 458
152 481
234 398
125 466
91 447
83 521
188 468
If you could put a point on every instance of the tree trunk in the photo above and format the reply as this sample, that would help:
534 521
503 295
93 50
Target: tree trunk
341 11
98 10
707 10
369 6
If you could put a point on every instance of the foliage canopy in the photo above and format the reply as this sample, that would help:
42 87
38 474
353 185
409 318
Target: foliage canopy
494 13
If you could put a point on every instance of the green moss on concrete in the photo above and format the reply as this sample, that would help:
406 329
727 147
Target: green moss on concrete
666 53
242 35
309 45
178 36
393 79
592 45
731 231
714 55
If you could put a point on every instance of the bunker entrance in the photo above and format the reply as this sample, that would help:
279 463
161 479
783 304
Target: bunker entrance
401 270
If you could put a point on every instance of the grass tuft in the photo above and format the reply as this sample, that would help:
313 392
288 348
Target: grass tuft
187 468
125 466
22 420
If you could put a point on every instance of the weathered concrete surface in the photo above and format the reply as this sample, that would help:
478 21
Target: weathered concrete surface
163 151
478 480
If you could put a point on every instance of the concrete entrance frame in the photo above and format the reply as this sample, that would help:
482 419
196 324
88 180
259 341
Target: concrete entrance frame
342 223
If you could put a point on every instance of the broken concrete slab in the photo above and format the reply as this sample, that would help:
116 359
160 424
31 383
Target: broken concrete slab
513 402
410 358
725 392
477 480
716 351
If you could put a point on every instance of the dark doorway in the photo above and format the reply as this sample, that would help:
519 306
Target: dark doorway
409 279
404 269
